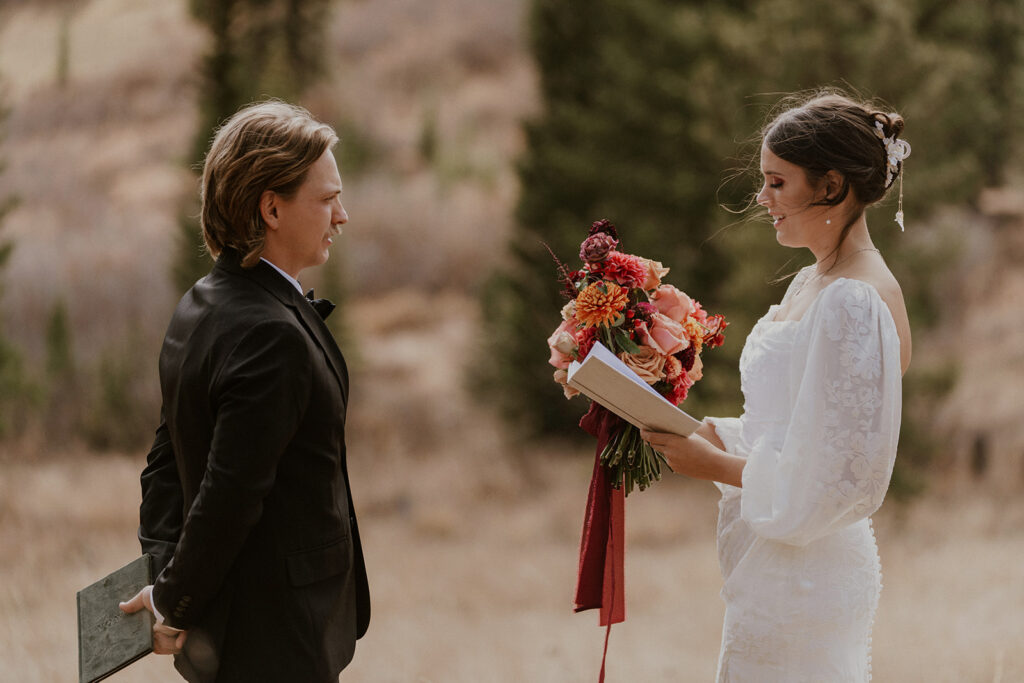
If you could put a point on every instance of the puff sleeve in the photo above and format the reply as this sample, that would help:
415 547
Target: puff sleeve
832 465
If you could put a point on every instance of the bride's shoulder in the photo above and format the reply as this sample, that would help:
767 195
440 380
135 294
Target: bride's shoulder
882 281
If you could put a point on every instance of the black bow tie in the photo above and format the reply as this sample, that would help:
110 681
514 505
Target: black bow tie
321 306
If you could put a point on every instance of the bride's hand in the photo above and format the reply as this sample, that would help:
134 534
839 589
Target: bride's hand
695 456
686 455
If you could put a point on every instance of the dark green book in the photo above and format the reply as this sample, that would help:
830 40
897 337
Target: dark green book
109 639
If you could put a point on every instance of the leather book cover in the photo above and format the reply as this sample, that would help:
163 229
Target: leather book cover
109 639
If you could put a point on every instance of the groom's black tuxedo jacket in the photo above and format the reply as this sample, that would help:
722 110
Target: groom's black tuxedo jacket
246 506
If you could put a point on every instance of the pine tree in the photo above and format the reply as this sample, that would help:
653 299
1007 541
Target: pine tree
651 110
626 135
13 382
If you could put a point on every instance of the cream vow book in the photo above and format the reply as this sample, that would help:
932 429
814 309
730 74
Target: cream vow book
604 378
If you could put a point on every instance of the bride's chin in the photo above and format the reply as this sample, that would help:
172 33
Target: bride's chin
783 240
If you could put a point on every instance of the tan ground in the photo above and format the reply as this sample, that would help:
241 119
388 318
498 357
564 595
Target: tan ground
476 586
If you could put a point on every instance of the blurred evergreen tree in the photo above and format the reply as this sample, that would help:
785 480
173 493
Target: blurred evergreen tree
61 374
259 48
14 385
651 116
639 99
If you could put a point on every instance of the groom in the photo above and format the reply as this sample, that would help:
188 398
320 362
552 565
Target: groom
246 506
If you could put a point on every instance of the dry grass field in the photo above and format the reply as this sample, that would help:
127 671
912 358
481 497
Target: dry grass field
472 575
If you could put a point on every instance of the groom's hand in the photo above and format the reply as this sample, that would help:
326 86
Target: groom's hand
166 640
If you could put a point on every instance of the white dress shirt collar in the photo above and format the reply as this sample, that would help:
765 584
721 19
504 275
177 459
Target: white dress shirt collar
285 275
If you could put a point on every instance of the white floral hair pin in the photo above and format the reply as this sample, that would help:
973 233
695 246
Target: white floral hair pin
896 151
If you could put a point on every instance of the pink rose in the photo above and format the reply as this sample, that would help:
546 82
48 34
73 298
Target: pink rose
668 335
562 377
655 271
562 344
643 336
673 303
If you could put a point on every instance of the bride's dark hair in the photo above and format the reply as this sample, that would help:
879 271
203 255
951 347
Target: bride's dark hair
829 131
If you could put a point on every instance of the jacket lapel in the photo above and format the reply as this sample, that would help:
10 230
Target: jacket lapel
269 279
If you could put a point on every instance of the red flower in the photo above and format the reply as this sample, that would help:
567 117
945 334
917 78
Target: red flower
680 388
585 339
627 270
716 324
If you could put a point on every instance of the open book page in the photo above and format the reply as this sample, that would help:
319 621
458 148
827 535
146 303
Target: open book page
604 378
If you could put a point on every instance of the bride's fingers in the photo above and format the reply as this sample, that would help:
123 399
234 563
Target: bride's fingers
656 439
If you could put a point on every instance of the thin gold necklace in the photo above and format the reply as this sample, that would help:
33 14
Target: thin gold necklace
849 256
821 275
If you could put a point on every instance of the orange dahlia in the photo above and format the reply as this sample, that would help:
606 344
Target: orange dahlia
600 303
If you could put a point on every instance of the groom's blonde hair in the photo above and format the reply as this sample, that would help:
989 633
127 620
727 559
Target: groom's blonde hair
268 145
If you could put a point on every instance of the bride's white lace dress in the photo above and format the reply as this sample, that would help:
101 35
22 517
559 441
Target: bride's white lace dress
819 431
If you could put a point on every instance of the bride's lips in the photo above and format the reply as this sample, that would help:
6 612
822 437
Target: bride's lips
777 219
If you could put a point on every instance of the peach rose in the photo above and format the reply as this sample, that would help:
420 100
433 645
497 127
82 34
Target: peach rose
673 303
673 367
648 363
655 271
562 377
697 371
668 335
562 343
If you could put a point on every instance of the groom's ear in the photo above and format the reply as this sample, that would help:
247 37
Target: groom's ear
268 208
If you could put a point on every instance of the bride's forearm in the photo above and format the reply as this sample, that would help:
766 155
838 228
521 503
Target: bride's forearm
697 457
729 469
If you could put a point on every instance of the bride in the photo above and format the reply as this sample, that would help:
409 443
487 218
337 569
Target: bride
810 459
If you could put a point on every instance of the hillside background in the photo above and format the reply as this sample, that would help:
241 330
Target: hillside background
471 530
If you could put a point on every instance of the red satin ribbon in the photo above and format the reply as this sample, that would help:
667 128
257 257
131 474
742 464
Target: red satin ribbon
600 579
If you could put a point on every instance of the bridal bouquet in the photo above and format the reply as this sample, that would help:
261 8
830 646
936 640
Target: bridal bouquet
656 330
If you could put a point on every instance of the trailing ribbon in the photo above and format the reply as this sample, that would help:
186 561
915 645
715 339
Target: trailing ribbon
600 581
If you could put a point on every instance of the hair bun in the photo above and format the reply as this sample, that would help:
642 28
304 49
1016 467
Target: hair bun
892 123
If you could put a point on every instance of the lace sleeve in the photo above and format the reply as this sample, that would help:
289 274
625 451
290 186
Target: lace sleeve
835 460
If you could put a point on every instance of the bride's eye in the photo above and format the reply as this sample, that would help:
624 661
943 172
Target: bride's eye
776 185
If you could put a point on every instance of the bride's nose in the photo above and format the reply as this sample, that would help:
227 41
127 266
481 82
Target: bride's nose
762 196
